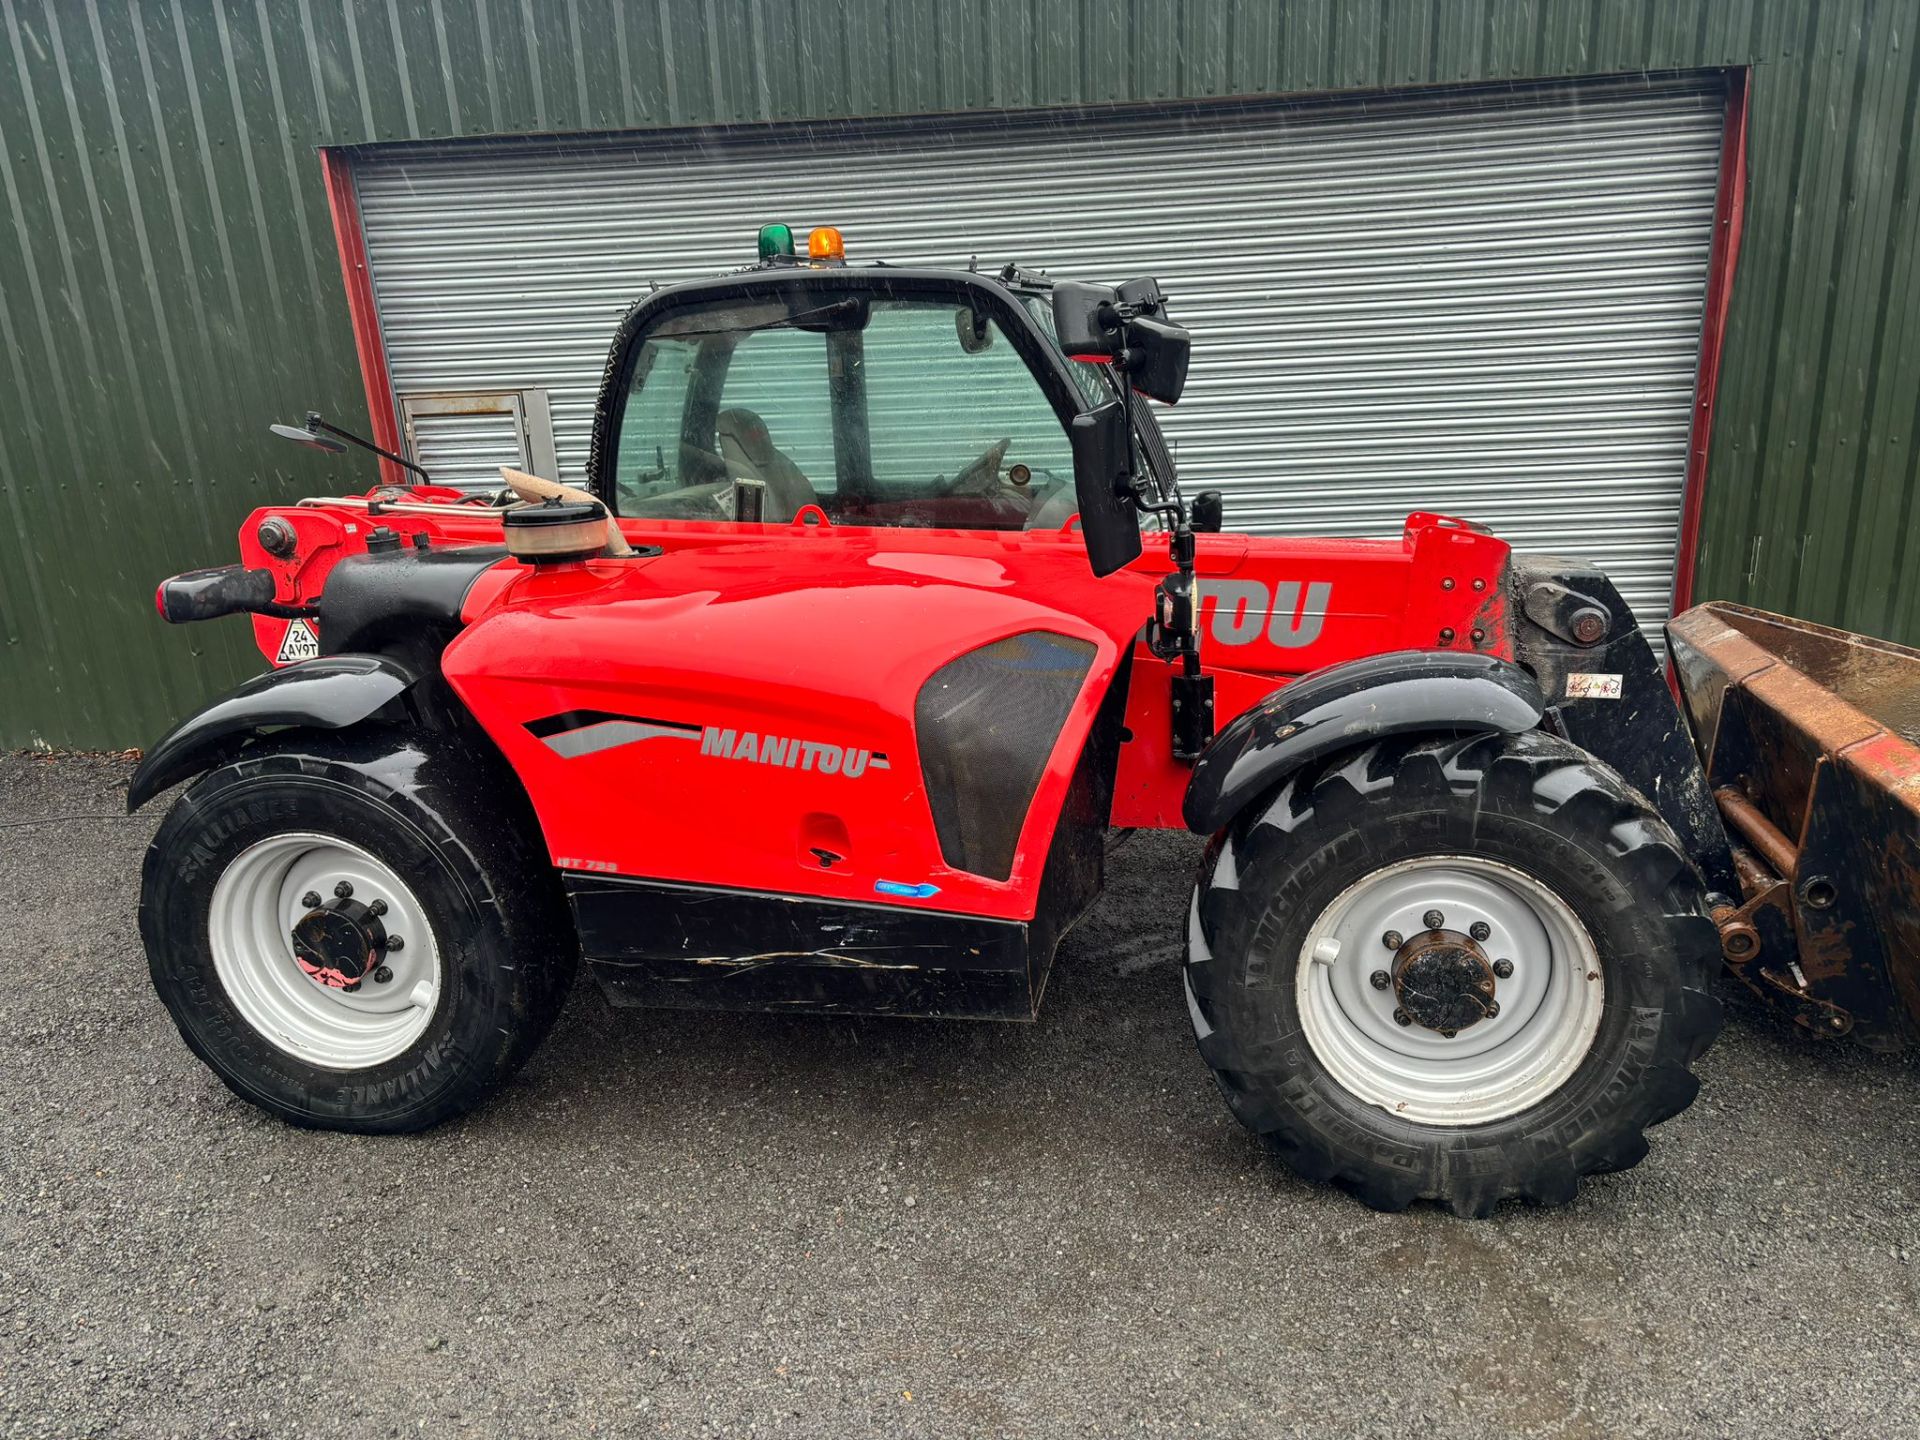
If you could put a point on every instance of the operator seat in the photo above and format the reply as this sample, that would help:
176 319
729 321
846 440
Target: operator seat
750 452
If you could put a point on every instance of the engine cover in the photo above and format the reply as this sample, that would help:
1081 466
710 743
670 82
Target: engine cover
796 723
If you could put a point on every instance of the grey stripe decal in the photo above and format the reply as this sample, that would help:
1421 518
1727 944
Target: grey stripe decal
609 733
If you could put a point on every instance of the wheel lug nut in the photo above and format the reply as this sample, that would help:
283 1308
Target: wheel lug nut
1503 968
351 986
1433 919
379 907
381 975
1380 980
1448 1034
1400 1017
1479 930
311 899
395 942
1393 940
344 889
1493 1008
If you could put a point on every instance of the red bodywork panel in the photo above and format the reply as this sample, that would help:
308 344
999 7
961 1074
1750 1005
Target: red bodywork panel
816 640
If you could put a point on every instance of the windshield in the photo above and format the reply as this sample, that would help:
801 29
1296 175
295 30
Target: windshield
870 409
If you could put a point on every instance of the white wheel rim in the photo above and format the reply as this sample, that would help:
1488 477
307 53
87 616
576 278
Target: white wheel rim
256 903
1550 1007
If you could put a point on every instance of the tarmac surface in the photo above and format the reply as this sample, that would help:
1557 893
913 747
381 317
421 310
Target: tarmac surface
697 1225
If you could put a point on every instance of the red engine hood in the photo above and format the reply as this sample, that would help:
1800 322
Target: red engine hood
823 638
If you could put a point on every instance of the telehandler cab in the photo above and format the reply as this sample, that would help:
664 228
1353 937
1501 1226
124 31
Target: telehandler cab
825 694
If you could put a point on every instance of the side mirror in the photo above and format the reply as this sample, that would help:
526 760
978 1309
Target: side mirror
1157 353
1102 486
312 439
1083 320
320 435
1089 328
1206 514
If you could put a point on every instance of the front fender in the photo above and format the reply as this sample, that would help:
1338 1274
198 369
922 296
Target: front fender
329 693
1402 692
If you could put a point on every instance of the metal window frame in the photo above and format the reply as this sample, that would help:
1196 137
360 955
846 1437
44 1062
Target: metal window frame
532 420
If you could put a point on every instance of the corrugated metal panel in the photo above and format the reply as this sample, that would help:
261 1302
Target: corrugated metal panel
467 449
168 283
1488 305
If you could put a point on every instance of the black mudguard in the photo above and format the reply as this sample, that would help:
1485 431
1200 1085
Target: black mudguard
1402 692
329 693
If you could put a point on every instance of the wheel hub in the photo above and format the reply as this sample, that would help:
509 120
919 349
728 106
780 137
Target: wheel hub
1444 981
1357 977
339 943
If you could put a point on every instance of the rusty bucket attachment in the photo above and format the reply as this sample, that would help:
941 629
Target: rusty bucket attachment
1811 741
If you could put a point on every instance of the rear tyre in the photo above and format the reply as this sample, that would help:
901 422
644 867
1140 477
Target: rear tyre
1527 1038
350 936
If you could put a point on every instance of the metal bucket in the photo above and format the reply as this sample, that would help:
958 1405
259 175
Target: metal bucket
1811 741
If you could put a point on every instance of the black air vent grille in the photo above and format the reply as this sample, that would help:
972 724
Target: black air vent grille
986 724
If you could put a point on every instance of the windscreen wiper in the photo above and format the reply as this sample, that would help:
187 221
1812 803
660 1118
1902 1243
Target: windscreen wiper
820 313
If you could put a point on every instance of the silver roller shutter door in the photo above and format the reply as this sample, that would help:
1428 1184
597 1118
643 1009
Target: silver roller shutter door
1487 305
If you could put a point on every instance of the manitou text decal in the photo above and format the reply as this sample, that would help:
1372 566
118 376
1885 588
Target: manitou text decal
588 732
1244 609
794 754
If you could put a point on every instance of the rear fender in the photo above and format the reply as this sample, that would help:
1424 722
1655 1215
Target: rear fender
329 693
1403 692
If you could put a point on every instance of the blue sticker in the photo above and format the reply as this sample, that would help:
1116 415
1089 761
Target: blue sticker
922 891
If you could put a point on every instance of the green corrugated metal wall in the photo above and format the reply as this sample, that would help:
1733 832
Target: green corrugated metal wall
169 283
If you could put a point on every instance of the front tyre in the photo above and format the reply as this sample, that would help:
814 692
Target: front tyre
1462 970
350 935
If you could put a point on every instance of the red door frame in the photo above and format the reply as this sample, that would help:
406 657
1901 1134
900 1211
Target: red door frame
343 200
1729 211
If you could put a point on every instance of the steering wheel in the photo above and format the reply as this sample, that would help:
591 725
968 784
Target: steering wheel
980 475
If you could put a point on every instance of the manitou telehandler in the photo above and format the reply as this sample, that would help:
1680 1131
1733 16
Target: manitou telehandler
825 693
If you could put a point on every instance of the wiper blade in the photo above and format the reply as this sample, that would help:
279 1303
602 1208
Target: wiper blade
817 315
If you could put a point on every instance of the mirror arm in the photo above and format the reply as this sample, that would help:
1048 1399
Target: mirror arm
1174 632
322 427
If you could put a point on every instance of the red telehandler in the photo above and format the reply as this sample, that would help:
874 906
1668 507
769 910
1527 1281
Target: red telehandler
825 693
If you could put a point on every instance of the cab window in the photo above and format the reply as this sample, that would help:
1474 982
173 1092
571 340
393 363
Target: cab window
879 412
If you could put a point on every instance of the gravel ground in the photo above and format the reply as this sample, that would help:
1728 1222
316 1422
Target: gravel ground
725 1225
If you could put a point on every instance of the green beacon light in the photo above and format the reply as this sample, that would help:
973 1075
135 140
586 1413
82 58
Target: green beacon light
776 241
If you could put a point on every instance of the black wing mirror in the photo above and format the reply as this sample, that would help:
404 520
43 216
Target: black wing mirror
1085 320
1103 486
1157 353
1098 322
1207 513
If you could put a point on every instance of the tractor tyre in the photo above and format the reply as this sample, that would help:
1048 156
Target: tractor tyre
1464 970
356 932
